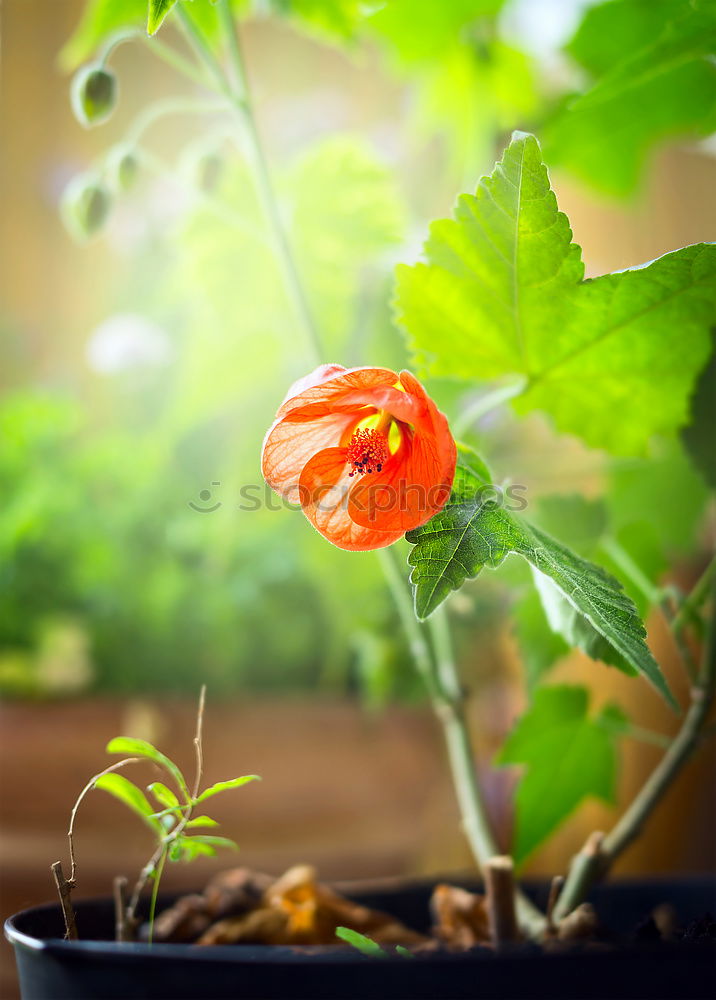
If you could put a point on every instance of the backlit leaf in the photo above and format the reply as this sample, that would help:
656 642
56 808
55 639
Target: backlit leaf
224 786
132 746
502 294
164 796
127 792
568 756
158 10
654 78
472 532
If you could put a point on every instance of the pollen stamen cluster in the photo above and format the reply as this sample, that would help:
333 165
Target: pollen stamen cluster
367 452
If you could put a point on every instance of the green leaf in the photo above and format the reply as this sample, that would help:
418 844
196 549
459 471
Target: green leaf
698 436
189 848
164 796
209 841
472 532
157 11
201 821
141 748
364 944
577 631
568 756
99 19
224 786
502 294
654 78
128 793
540 647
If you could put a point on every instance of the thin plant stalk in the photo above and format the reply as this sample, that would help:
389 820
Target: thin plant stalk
440 673
459 749
592 864
240 99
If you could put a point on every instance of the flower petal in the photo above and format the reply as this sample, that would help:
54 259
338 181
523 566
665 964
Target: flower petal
413 486
324 491
333 389
288 446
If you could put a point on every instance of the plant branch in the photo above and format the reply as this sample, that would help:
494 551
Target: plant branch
64 888
687 613
238 94
590 865
88 788
486 403
155 866
449 707
630 569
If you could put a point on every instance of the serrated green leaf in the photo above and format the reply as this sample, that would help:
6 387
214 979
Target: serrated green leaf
540 647
577 631
224 786
654 78
157 11
131 745
201 821
164 796
568 756
125 791
364 944
502 294
470 533
698 436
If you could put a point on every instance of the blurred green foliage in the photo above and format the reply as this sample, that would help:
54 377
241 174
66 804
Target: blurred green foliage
108 577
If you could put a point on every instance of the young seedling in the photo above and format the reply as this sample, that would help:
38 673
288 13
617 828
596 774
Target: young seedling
172 824
367 946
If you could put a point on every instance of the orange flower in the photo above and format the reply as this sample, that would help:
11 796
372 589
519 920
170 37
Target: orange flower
365 451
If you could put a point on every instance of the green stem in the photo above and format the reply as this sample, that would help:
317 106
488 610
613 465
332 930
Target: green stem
475 820
688 612
590 865
168 106
241 102
443 684
630 569
485 403
164 52
155 893
417 643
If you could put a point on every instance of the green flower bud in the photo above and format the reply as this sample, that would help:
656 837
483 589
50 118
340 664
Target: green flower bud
202 166
93 94
84 206
122 166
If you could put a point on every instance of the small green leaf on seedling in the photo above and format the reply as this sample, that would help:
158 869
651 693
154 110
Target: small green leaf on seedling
404 952
164 796
361 942
223 786
93 94
121 167
142 748
202 821
215 841
128 793
158 10
84 206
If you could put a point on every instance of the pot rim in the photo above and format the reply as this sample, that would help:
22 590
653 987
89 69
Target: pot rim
288 954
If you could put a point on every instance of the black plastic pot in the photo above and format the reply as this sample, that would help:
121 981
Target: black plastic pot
53 969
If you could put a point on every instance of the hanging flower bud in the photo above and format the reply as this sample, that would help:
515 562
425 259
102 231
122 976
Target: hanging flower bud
203 166
84 206
93 94
121 167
